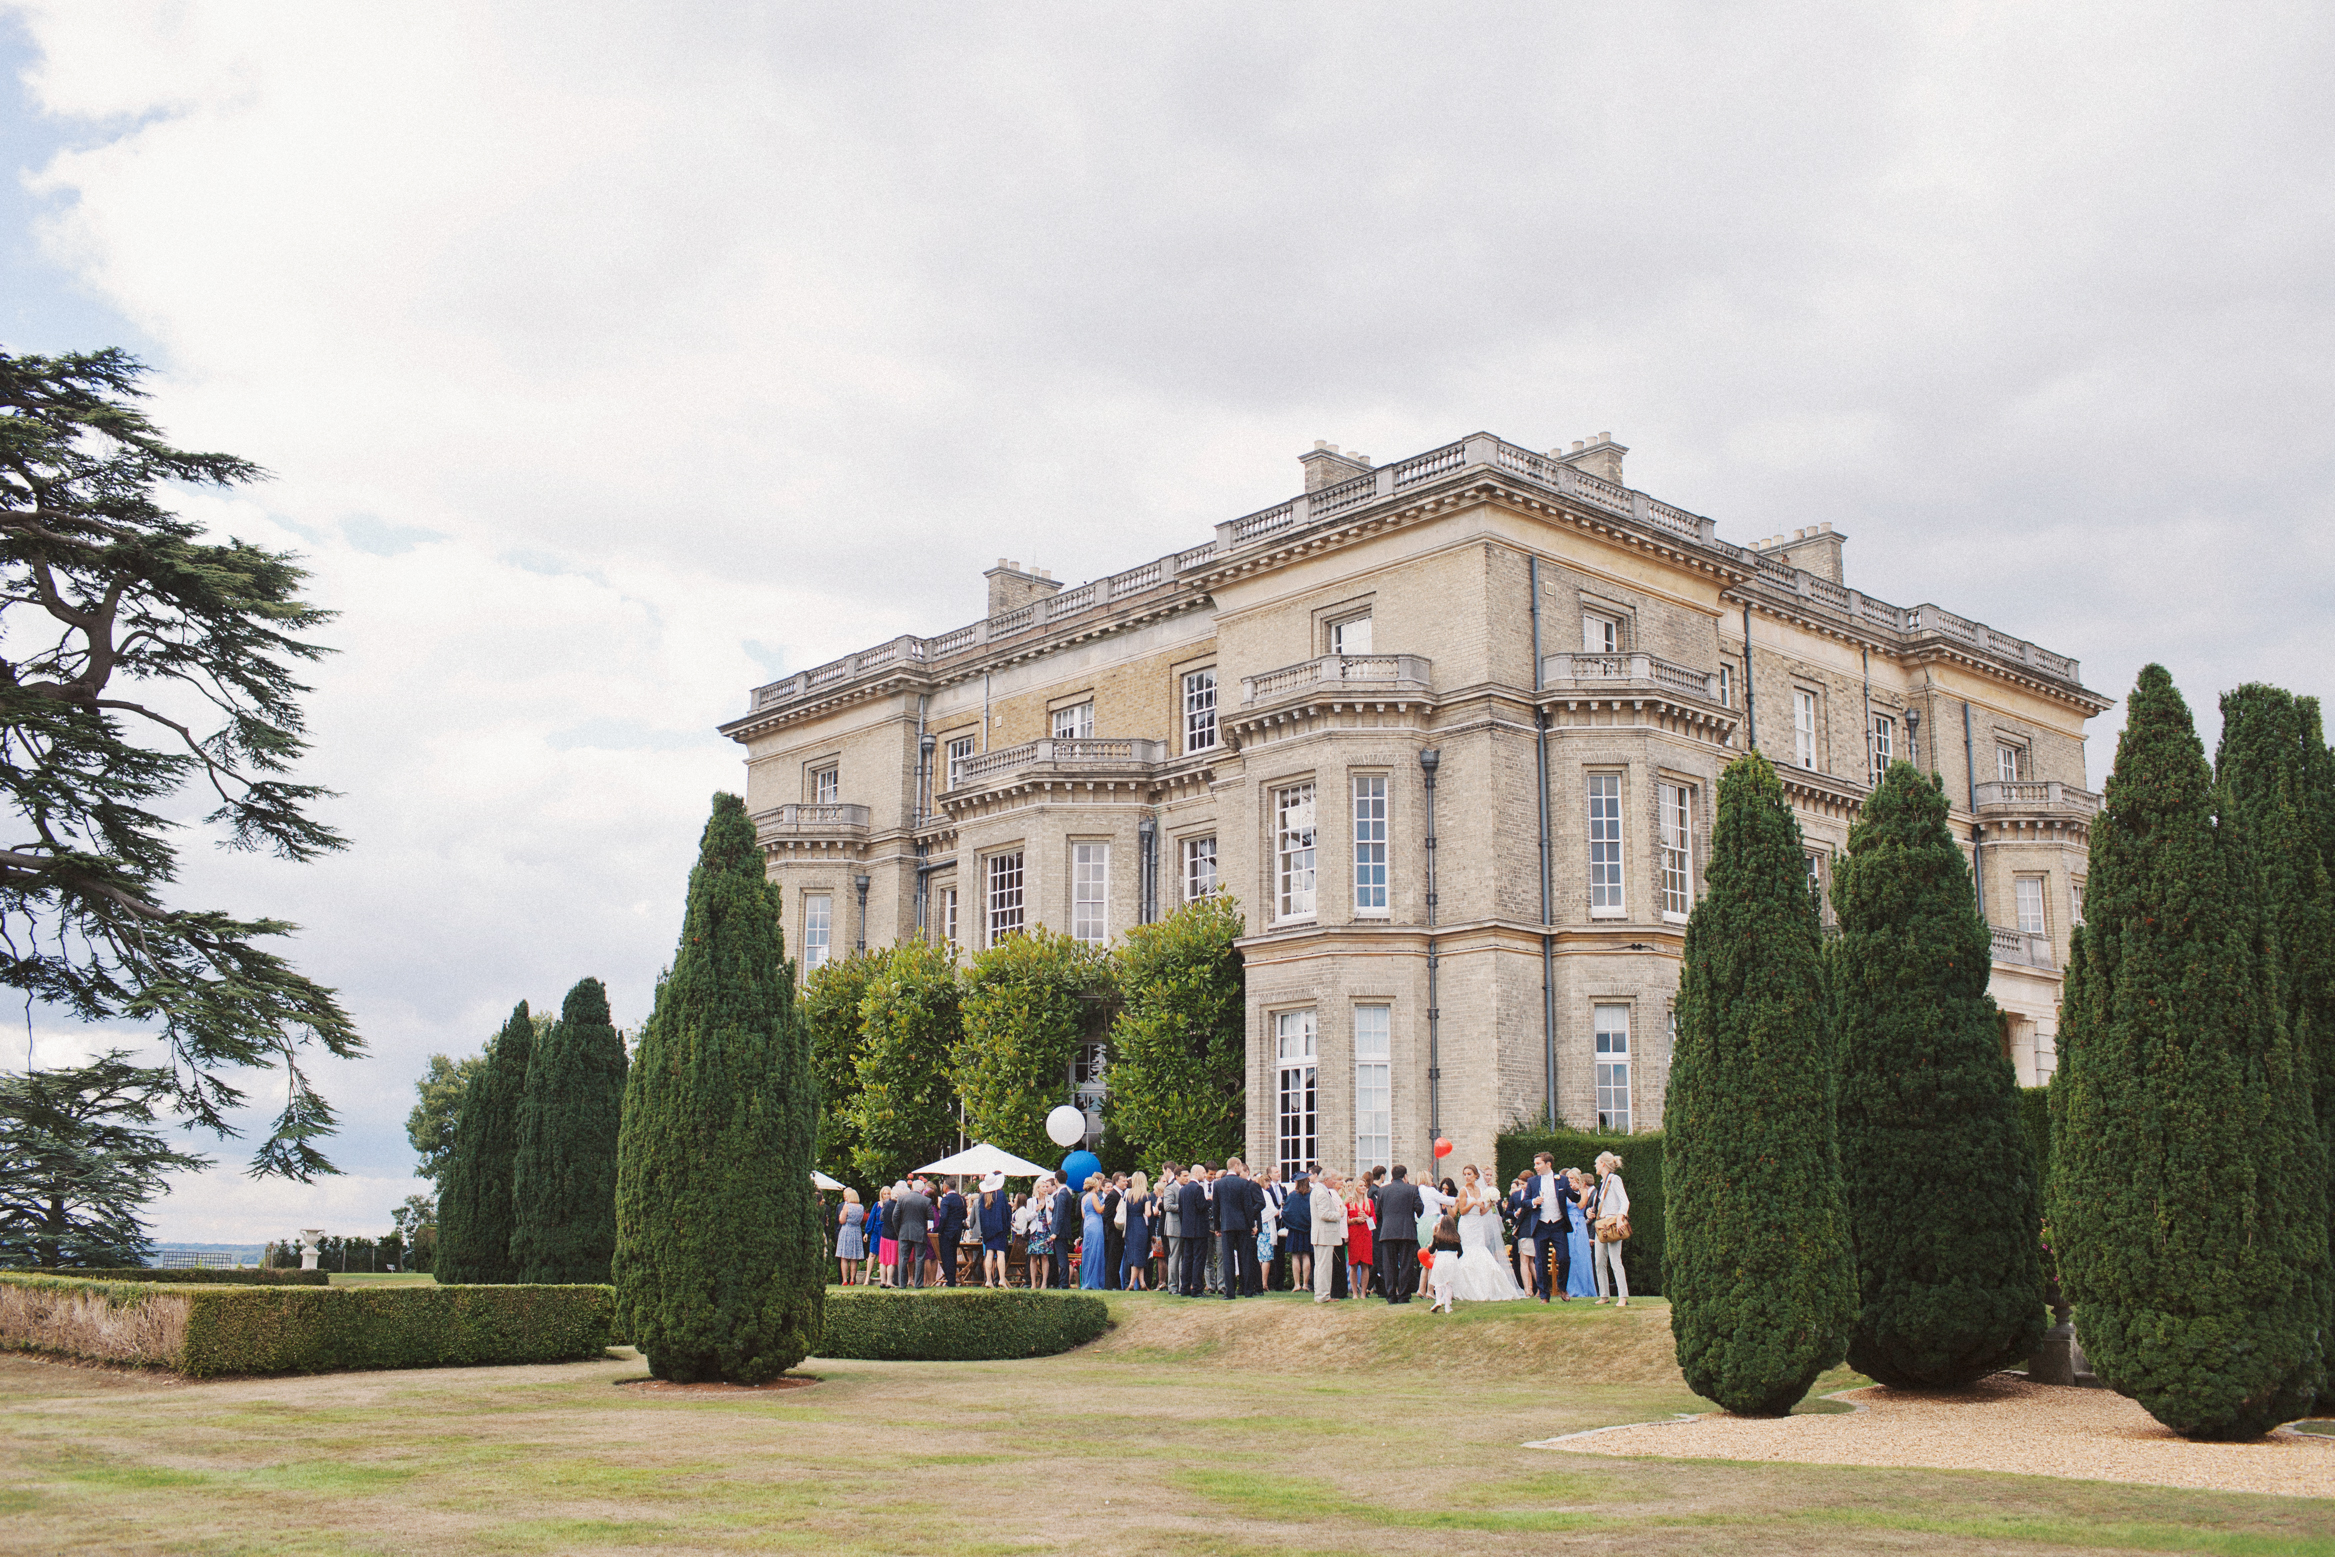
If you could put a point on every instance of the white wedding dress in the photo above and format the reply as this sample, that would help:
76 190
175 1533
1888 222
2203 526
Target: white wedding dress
1483 1274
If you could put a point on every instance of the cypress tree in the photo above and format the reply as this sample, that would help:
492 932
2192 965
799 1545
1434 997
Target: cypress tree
720 1269
1757 1266
563 1177
2278 777
1944 1208
2188 1180
474 1198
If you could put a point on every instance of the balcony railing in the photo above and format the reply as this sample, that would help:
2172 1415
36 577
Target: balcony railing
1340 675
2023 947
2037 795
1639 670
1059 754
828 819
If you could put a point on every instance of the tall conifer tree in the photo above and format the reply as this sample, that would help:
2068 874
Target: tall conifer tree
2278 776
563 1178
475 1214
2188 1180
719 1262
1757 1269
1944 1209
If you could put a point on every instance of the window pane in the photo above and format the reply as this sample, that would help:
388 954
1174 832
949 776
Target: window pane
1612 1025
1727 685
1884 744
1605 844
818 929
1199 867
1600 635
1090 870
1294 842
1677 806
2030 893
1200 711
1351 637
824 788
1370 843
1373 1094
1804 728
1074 723
2075 896
2007 763
948 917
960 751
1293 1034
1005 895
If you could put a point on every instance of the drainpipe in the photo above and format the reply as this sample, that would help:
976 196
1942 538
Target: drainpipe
1977 833
1548 941
1871 777
1429 757
1750 714
924 745
1147 831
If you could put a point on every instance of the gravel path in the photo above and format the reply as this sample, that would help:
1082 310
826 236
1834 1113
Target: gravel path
2001 1424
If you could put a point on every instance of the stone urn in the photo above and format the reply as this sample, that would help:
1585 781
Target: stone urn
2059 1359
311 1240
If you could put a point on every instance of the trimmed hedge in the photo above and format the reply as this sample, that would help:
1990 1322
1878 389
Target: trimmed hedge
1641 1156
205 1331
871 1324
190 1276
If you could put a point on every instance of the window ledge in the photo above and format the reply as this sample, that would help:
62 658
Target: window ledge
1668 917
1609 913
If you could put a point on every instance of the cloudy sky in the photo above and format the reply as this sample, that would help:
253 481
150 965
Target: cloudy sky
614 358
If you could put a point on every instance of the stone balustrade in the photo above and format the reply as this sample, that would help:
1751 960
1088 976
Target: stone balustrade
1617 671
1065 756
2022 947
2036 795
829 819
1340 675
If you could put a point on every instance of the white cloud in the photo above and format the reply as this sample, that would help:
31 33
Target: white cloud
610 366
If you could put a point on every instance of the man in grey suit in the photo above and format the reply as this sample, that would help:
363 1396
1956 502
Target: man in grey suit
1399 1207
911 1224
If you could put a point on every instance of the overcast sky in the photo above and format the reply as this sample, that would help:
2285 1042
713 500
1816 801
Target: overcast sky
614 358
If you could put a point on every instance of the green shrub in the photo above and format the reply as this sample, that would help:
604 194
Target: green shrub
1641 1157
196 1276
869 1324
206 1331
2035 1123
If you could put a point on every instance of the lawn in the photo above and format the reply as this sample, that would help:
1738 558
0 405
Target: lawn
1262 1429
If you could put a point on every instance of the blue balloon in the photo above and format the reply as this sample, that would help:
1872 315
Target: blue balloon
1078 1167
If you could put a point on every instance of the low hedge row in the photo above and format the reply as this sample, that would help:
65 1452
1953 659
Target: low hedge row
1641 1157
194 1275
204 1331
962 1324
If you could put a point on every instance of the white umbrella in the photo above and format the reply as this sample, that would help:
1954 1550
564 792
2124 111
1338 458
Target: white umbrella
984 1159
822 1181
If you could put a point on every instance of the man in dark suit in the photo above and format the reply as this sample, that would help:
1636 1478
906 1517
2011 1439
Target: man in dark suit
1552 1256
1238 1205
1192 1224
1065 1231
950 1231
1399 1209
1524 1211
911 1225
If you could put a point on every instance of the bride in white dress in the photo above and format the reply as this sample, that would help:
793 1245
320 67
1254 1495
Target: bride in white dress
1483 1274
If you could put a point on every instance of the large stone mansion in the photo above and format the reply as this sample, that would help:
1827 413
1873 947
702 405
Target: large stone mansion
1449 729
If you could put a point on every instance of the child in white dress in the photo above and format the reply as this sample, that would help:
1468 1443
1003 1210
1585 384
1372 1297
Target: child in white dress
1443 1275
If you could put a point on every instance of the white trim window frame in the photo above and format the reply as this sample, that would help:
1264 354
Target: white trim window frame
1601 633
959 752
826 785
2027 902
1199 867
1884 744
1296 1059
818 929
1074 722
1804 727
1608 895
1351 636
1200 710
1370 846
2075 901
2010 762
1373 1087
1294 837
1676 803
1003 908
1610 1024
948 917
1090 893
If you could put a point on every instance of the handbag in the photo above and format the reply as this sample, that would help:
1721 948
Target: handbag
1119 1217
1612 1229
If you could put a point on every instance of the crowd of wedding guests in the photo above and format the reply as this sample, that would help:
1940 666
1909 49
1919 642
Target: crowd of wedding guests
1215 1230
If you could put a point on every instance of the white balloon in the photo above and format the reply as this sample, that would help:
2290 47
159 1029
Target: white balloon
1066 1126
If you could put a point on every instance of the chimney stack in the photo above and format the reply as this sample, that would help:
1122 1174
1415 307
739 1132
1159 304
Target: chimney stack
1816 548
1599 456
1326 467
1010 588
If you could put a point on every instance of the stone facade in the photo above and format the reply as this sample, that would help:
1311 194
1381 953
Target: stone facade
1055 764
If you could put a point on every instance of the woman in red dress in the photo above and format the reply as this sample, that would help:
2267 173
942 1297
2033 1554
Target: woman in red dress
1359 1223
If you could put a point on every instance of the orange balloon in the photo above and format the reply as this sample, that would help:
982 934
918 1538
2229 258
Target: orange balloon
1442 1146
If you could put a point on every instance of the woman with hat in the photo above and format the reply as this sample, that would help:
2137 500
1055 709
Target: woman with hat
996 1214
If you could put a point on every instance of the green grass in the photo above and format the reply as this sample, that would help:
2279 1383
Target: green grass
1219 1439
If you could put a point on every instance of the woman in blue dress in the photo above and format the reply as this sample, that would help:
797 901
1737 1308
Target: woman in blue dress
1135 1248
996 1214
1091 1259
1580 1248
